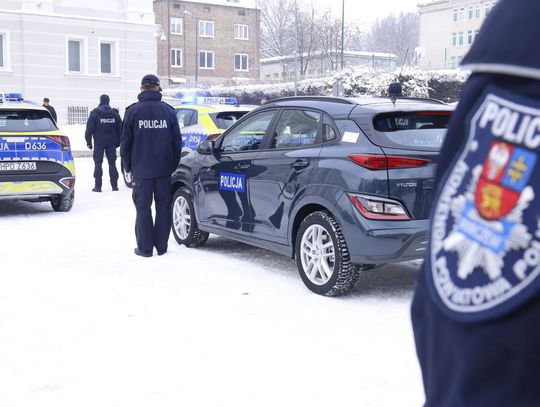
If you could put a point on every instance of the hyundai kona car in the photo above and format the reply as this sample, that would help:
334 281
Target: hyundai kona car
36 163
340 184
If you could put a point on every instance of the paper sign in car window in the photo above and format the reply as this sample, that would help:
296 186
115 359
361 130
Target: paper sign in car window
350 137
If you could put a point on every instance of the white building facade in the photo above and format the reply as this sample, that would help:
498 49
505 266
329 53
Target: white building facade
72 51
448 28
321 64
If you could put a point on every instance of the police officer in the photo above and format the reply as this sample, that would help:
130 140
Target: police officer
105 125
151 149
476 310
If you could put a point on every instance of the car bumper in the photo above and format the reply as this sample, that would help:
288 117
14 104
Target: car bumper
35 185
378 241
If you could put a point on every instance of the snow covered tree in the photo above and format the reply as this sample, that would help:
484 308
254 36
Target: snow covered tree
397 34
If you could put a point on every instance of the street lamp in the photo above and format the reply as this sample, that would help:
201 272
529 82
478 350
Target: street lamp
342 31
196 44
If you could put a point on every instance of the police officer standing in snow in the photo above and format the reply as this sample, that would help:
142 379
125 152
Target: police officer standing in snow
151 148
476 310
104 125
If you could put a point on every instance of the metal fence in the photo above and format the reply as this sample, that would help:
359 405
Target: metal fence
77 114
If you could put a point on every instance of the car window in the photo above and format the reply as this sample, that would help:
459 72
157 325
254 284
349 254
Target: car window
425 129
329 133
249 134
187 117
296 128
26 120
224 120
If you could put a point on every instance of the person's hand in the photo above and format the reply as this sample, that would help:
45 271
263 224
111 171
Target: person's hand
89 146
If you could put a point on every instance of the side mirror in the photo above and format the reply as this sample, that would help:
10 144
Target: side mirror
206 148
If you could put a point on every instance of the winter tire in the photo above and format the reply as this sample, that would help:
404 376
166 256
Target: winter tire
184 224
322 256
63 203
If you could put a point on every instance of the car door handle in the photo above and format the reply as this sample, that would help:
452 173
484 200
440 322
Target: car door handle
300 163
242 166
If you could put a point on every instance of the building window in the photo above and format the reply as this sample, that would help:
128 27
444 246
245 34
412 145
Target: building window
461 38
471 12
454 39
455 15
176 26
176 57
241 32
206 60
106 50
4 51
469 37
461 13
75 55
241 62
206 28
478 11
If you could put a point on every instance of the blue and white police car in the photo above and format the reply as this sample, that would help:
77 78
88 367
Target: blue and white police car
36 162
204 118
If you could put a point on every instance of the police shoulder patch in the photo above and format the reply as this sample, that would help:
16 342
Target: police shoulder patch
485 238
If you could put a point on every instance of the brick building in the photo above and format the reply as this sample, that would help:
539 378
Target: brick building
223 34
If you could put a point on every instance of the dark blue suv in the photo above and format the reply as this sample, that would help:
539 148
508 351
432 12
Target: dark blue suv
340 184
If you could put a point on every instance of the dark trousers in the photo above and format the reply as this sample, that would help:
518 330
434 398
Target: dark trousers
148 233
110 152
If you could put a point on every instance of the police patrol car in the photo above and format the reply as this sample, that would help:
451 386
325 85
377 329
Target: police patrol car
206 118
202 118
341 184
36 163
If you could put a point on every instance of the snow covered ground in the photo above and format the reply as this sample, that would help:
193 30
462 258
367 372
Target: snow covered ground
85 322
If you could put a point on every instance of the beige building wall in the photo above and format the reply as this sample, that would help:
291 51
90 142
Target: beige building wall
448 28
224 44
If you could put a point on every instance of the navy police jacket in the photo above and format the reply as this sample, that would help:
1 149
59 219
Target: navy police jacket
476 309
105 125
151 142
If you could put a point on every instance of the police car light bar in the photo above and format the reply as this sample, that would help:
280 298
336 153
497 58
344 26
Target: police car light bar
207 100
11 97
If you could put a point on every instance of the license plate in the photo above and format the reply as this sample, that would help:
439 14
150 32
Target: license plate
17 166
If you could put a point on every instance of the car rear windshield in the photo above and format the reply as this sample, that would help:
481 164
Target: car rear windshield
25 120
224 120
420 130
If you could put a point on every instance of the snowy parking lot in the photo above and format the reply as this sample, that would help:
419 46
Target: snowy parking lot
85 322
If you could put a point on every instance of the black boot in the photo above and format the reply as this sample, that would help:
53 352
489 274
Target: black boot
96 189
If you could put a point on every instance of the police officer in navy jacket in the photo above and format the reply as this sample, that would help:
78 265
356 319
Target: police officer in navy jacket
476 310
151 149
104 125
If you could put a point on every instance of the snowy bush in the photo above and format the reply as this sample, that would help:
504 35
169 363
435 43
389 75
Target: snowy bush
442 85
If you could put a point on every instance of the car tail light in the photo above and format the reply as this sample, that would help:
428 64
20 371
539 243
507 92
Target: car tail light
62 140
379 209
68 182
377 162
213 137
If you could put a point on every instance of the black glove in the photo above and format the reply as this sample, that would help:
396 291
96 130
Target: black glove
89 146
